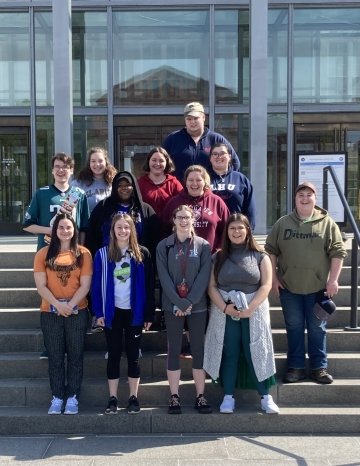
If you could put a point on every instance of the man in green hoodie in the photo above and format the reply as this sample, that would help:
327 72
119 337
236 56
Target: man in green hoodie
307 252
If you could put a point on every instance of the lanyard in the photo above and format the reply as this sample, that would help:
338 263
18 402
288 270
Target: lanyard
183 257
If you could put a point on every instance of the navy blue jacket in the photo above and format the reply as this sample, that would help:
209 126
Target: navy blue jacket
184 152
236 190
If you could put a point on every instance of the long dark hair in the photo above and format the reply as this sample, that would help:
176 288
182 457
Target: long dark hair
86 175
55 244
169 167
225 250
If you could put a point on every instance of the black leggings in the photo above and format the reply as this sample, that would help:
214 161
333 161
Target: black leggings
121 324
174 328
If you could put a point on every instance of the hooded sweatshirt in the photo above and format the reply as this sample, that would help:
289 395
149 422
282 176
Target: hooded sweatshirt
157 195
142 213
236 190
185 152
304 250
210 212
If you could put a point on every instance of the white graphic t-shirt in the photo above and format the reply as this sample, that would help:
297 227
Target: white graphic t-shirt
122 282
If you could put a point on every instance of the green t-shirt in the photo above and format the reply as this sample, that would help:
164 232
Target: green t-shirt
46 203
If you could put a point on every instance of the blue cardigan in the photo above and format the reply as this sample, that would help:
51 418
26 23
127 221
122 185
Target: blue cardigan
141 288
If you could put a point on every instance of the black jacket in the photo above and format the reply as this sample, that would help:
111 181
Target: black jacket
146 222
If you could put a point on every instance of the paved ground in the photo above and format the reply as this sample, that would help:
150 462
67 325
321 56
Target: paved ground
181 450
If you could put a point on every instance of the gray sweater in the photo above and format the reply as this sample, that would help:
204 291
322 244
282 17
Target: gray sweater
197 273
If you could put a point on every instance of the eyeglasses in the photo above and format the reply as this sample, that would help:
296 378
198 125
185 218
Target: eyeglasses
61 167
180 218
219 154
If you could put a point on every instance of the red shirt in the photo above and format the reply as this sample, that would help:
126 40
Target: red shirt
157 195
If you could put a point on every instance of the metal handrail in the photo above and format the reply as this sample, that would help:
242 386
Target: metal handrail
354 246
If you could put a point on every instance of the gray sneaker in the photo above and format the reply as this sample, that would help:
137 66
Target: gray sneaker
56 406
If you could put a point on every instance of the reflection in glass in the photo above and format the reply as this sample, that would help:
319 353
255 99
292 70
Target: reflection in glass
44 149
89 58
44 70
14 173
160 57
231 56
326 55
136 135
278 56
235 128
277 167
15 59
89 131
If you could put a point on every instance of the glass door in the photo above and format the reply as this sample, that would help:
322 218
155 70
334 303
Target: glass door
15 178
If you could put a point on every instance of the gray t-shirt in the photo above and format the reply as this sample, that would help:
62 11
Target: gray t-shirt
95 192
241 270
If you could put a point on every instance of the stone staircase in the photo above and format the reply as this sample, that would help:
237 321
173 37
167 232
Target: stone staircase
25 395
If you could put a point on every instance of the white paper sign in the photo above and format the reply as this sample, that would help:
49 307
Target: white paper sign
311 169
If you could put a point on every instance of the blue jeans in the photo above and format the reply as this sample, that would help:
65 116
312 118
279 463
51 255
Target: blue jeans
298 311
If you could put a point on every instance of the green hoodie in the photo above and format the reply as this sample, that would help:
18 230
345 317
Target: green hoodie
304 249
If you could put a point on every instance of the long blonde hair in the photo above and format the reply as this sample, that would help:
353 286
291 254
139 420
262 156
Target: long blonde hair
134 247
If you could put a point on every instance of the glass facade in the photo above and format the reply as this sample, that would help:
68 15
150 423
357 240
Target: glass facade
89 54
232 56
14 59
327 46
160 57
44 68
277 83
134 67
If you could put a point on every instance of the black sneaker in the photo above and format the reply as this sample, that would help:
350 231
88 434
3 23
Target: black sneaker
174 405
95 328
186 352
133 406
294 375
202 406
321 376
44 355
112 406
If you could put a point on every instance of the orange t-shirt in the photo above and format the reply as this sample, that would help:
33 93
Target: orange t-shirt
65 281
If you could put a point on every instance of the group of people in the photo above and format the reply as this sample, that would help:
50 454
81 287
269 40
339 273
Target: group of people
190 219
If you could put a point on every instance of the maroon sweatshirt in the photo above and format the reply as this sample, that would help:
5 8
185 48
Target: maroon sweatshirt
210 212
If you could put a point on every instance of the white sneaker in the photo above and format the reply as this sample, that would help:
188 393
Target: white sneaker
268 405
106 355
228 404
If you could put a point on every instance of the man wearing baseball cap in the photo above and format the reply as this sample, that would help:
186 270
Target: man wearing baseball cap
306 252
191 145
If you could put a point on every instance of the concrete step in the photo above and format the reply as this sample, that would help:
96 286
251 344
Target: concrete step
24 277
250 419
32 340
28 297
342 299
29 318
153 365
17 278
19 298
17 257
155 392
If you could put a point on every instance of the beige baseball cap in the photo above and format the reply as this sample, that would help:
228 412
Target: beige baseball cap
193 109
304 185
